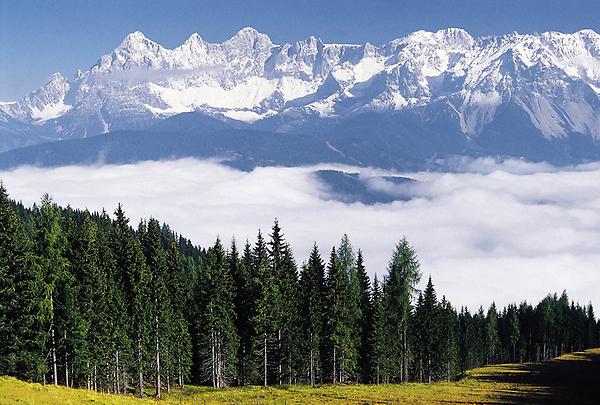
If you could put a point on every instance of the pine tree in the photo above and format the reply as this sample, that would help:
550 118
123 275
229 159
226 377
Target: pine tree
347 260
365 319
50 245
22 332
428 334
448 348
492 339
240 270
312 281
216 319
338 342
181 350
286 307
514 331
264 316
399 288
379 354
134 275
162 315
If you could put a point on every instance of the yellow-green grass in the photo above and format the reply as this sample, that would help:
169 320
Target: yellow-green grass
567 379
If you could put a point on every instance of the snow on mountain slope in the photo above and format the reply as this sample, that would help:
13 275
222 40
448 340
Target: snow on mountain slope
554 78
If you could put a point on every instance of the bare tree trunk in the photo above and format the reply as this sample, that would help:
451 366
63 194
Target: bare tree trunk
265 358
334 369
169 380
213 359
279 371
312 368
66 363
404 356
157 361
54 370
118 385
140 369
179 372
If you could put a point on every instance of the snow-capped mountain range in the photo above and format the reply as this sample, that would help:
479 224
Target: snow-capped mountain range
448 82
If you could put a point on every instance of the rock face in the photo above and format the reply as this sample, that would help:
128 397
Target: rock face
512 94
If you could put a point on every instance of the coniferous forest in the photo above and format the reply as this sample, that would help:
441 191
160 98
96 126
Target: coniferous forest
90 300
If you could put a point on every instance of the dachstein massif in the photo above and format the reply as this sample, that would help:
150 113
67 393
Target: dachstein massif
412 102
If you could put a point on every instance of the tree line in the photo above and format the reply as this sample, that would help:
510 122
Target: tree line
88 301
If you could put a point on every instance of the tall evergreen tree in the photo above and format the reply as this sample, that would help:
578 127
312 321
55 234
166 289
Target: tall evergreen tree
448 348
365 319
379 350
312 282
216 319
241 270
181 350
162 314
338 341
50 246
133 272
399 287
427 334
492 338
22 332
347 260
264 316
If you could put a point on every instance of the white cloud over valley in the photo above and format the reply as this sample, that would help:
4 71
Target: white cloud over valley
493 231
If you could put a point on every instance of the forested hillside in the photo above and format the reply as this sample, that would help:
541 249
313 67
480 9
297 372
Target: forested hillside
88 300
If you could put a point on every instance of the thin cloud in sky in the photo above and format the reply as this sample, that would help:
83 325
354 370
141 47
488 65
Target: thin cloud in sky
493 232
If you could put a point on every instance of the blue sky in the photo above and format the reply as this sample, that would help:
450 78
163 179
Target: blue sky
38 38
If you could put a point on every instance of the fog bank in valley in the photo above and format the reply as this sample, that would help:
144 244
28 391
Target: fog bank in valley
489 231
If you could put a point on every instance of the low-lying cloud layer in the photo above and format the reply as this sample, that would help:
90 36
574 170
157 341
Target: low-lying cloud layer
499 232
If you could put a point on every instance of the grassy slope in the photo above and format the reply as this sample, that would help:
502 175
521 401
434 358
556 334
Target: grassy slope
569 379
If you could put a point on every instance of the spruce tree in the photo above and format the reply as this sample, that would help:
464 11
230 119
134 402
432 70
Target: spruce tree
240 270
347 260
264 317
492 339
162 315
428 335
181 350
22 332
284 269
448 348
216 319
399 287
365 319
338 341
50 246
312 282
378 345
132 270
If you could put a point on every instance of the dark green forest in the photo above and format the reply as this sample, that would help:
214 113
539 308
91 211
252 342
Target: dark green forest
90 300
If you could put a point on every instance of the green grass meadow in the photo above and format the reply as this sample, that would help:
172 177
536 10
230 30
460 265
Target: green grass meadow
573 378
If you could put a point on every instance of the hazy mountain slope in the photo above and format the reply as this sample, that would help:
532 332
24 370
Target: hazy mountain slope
244 149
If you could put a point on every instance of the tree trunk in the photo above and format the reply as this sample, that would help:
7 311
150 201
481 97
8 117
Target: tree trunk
265 359
54 370
213 365
279 369
157 364
404 356
140 368
66 363
334 368
118 385
312 368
